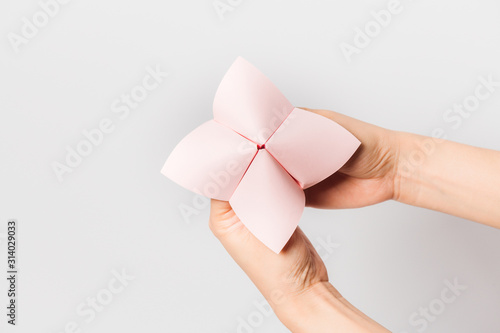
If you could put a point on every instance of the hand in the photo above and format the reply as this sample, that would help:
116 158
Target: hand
427 172
294 282
369 177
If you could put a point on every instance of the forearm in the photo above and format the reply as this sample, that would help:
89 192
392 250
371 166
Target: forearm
323 309
449 177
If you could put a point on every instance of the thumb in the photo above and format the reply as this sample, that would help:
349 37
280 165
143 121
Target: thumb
278 276
294 282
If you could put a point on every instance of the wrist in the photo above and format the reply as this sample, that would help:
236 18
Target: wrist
449 177
412 151
321 308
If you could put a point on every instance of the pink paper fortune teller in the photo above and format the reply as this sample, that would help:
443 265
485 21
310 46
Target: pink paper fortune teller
259 153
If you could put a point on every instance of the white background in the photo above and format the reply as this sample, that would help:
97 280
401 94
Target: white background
115 211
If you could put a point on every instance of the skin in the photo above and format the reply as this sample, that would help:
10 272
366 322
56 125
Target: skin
436 174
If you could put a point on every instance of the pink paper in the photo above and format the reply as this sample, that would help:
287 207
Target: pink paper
259 153
268 201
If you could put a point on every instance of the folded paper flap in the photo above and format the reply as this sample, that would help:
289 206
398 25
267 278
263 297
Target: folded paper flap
311 147
258 153
268 201
210 160
249 103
